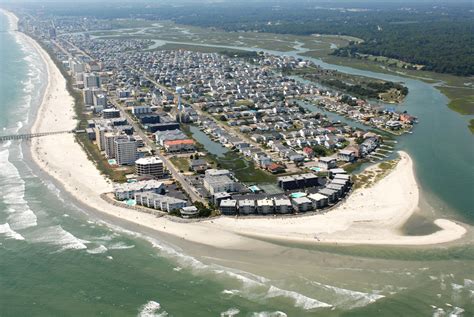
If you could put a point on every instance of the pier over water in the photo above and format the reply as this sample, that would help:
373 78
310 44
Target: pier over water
34 135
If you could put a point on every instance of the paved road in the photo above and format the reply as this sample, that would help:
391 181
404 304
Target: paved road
189 189
207 115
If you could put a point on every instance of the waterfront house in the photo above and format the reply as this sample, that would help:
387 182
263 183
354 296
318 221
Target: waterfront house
302 204
189 212
246 207
172 146
264 206
346 155
217 184
319 200
326 163
161 202
128 190
220 196
228 207
329 193
283 206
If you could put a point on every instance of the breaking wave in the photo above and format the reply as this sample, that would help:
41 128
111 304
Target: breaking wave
300 300
151 309
99 250
231 312
9 233
349 297
254 287
120 246
12 188
269 314
56 235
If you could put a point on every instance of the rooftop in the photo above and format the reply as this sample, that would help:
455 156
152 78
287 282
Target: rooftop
149 160
177 142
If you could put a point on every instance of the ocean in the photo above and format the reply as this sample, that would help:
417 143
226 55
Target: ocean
59 259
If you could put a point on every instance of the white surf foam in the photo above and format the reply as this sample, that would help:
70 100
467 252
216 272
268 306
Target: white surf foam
269 314
350 297
99 250
469 283
56 235
12 189
300 300
230 292
255 288
9 233
151 309
231 312
120 246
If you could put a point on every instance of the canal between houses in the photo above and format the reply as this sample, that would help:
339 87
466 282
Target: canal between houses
441 146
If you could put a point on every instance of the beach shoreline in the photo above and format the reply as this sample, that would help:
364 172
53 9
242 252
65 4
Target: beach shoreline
368 216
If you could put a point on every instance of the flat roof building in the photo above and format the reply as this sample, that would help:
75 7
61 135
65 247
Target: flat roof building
319 200
246 207
185 145
329 193
228 207
158 201
217 184
265 206
125 150
283 206
149 166
128 190
302 204
189 212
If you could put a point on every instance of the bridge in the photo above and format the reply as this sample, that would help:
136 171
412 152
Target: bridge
34 135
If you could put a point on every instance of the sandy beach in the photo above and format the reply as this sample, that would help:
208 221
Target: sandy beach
369 216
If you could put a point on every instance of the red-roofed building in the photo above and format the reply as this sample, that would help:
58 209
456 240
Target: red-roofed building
275 168
185 145
308 152
406 118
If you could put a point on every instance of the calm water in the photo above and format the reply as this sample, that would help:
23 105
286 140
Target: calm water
58 259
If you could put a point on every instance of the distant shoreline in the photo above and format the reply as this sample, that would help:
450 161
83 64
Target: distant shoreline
62 158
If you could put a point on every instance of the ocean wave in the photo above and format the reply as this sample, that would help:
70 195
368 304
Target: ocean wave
53 189
254 287
56 235
269 314
120 246
107 237
99 250
10 233
12 188
246 281
451 312
300 300
350 298
151 309
231 312
469 283
230 292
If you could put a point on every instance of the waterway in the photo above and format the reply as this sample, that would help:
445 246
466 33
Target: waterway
441 146
58 260
211 146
